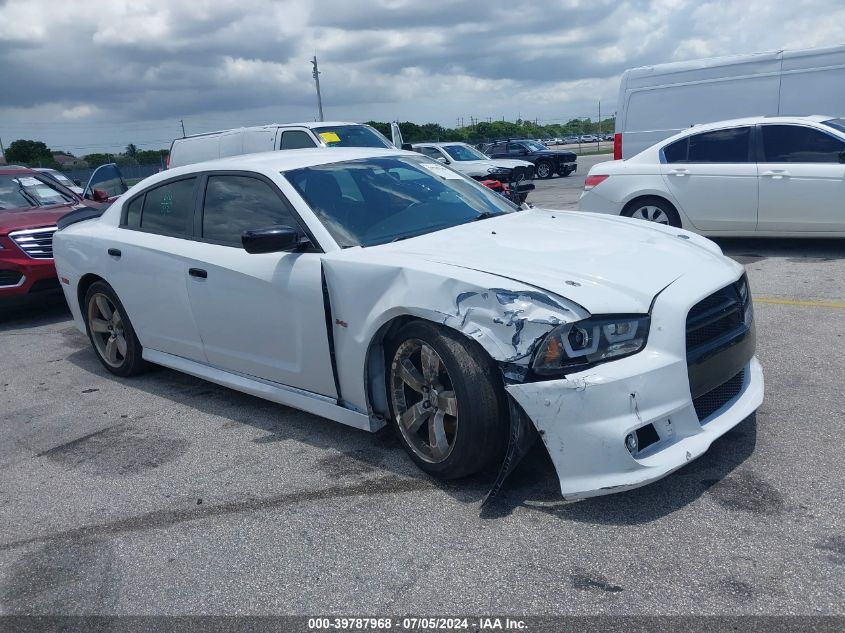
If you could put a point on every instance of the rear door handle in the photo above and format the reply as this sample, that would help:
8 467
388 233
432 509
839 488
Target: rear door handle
198 272
679 172
114 252
776 174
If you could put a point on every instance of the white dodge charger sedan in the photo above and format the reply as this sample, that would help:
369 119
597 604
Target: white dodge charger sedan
764 176
378 286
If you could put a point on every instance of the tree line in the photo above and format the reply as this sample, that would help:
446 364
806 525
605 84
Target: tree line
37 154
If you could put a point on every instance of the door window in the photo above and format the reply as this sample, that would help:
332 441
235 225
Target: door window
234 204
297 139
133 212
169 209
720 146
432 151
677 152
798 144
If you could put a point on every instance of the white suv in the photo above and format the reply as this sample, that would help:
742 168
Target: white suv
772 176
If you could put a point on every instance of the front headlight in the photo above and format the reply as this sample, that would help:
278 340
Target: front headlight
580 345
498 171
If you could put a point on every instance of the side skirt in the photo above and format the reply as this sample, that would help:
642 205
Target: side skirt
317 404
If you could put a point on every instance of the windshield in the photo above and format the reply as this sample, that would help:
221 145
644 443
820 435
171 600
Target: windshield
464 152
22 192
377 200
836 124
352 136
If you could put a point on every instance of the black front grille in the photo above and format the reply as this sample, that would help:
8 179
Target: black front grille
713 400
719 315
522 173
9 277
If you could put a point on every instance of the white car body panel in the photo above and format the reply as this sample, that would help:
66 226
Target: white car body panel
504 283
731 199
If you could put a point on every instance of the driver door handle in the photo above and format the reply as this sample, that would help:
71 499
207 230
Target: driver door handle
198 272
776 174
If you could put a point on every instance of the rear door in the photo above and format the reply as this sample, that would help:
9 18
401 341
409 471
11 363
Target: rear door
713 177
150 265
260 315
802 181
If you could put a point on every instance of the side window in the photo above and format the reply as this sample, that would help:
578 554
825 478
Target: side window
720 146
797 144
234 204
133 212
296 139
431 151
676 152
169 209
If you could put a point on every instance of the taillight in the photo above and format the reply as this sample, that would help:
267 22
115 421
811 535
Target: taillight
594 181
617 146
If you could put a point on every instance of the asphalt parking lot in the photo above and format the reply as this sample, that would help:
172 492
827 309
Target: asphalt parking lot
164 494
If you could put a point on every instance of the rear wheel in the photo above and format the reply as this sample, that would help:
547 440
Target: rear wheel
653 210
544 169
111 332
446 401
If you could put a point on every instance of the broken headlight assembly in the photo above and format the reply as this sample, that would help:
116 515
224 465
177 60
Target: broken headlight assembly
580 345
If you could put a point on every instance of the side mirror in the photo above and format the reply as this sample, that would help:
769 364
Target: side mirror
407 147
273 239
442 159
99 195
77 182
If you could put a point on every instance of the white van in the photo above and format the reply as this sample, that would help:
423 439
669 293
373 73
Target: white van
656 102
266 138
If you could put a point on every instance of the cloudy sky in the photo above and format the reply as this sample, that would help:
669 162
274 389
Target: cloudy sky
94 75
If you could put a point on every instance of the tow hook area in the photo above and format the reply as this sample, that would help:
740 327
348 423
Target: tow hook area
521 438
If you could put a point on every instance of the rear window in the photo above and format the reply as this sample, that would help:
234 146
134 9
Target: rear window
352 136
720 146
169 209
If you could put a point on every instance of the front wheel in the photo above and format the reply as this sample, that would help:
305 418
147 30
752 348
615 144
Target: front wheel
111 332
544 170
446 401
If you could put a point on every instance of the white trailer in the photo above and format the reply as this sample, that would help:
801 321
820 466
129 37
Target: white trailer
656 102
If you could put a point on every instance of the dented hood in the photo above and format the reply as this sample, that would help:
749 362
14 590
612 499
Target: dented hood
603 263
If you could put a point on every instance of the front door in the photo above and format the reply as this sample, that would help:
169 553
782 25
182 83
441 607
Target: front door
713 177
802 181
261 315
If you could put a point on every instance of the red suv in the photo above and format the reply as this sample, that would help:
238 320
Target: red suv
30 206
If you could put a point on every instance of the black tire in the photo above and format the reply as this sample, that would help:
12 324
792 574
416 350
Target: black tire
481 424
125 364
544 167
641 208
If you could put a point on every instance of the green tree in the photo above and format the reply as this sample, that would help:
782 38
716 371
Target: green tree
131 150
95 160
29 153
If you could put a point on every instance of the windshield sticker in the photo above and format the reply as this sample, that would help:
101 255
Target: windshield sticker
330 137
440 170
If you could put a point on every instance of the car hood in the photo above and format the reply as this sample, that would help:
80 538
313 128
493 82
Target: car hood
605 264
18 219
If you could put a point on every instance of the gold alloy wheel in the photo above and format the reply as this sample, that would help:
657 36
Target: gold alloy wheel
107 331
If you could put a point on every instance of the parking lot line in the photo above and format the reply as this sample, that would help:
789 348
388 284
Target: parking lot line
804 303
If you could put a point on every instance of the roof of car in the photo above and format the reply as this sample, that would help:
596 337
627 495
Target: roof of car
751 120
14 170
308 124
438 144
277 161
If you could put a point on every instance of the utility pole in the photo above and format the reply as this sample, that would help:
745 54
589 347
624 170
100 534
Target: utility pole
316 74
2 149
599 118
183 127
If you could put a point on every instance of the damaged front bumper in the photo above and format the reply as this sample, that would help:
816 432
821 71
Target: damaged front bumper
584 418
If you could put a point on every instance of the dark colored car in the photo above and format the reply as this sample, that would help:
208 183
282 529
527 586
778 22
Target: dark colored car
31 204
547 162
